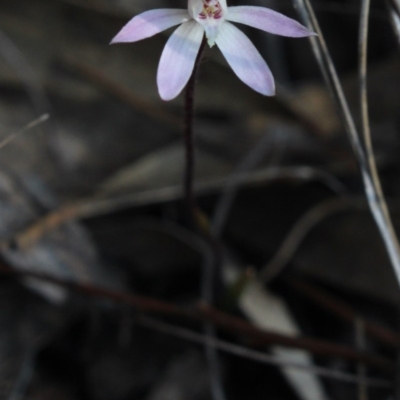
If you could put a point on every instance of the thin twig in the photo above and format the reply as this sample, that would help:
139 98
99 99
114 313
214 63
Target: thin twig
376 196
201 313
97 206
364 157
298 234
222 320
343 310
214 365
26 128
258 356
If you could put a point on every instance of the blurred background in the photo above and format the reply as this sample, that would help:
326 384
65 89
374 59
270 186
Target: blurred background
300 272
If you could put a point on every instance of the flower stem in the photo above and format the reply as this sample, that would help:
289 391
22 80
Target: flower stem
188 182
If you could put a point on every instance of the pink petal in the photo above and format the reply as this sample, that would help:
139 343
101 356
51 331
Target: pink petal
149 24
178 58
268 21
245 60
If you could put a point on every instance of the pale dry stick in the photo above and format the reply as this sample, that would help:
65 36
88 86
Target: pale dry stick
254 355
396 5
312 218
26 128
371 182
387 228
100 205
393 7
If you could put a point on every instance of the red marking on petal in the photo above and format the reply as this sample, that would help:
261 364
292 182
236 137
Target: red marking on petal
211 9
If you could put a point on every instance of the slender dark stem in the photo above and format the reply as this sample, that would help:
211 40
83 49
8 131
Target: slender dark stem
189 140
209 266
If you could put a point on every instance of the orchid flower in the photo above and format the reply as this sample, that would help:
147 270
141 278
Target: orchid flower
212 17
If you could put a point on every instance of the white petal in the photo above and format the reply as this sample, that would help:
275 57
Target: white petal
223 5
211 27
150 23
195 7
178 58
267 20
245 59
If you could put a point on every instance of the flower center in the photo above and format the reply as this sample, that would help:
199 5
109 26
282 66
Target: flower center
211 9
210 14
